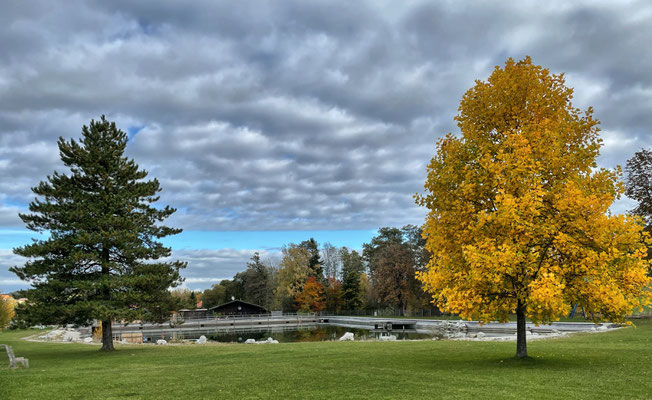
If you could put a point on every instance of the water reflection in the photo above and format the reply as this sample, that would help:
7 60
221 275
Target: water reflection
312 333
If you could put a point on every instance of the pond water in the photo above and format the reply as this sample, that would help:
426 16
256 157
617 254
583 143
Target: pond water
311 333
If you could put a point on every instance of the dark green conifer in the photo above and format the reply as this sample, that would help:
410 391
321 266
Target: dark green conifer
102 259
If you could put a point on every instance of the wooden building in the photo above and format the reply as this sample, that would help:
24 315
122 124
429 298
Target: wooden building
237 307
194 314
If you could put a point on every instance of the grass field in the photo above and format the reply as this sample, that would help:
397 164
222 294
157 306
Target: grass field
584 366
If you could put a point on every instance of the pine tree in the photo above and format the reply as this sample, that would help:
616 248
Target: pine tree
256 282
315 262
352 268
102 259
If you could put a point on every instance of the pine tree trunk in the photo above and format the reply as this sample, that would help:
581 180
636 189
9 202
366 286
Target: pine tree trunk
521 343
107 336
107 329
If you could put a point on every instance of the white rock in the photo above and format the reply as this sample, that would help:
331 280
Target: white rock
250 341
161 342
389 338
271 340
56 334
88 340
481 335
71 336
202 340
347 336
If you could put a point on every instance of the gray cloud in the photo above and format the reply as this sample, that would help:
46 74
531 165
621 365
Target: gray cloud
205 267
208 267
296 115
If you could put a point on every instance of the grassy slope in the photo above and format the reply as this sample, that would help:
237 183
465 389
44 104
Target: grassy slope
607 365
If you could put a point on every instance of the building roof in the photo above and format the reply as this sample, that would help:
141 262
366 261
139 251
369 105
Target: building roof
237 301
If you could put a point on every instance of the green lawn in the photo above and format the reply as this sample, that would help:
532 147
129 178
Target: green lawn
585 366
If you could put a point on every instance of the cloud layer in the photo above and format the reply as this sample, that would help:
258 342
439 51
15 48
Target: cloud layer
261 115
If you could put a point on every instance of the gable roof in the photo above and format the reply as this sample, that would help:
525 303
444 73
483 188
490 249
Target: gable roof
237 301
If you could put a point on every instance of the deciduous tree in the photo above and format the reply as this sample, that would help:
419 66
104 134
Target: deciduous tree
332 261
6 311
311 297
394 276
293 271
214 296
333 295
519 215
185 298
638 186
638 183
392 258
102 259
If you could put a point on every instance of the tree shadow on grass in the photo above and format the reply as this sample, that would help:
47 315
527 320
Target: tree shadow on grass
482 362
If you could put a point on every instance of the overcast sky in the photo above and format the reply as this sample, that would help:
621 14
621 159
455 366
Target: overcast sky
308 116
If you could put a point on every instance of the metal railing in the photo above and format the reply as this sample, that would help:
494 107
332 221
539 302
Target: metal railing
242 317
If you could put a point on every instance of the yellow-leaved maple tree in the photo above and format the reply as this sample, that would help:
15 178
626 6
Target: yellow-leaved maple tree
7 306
519 215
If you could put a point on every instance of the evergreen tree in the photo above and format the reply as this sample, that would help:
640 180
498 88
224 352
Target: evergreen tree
256 283
101 260
192 300
352 268
315 262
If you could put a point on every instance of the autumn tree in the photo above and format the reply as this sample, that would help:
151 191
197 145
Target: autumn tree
518 212
311 297
638 186
6 311
394 276
103 258
392 262
294 269
333 295
414 241
638 183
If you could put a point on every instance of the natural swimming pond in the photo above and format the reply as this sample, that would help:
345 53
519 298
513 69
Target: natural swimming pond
310 333
295 328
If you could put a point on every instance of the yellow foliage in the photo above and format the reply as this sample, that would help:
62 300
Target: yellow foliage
293 270
6 311
519 212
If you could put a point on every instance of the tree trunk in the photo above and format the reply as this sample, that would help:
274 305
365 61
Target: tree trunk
521 343
107 335
107 331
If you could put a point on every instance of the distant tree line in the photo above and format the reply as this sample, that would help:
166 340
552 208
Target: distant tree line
312 278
